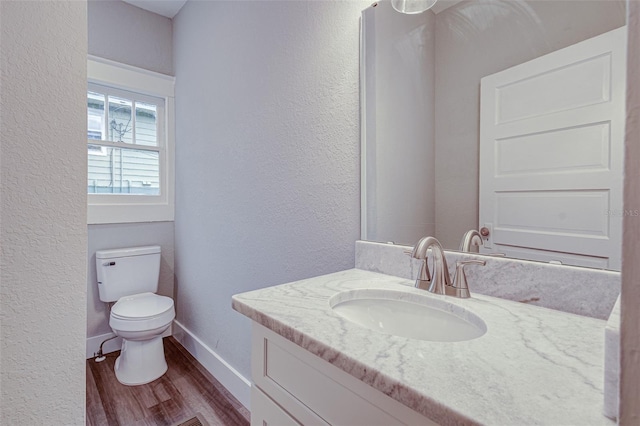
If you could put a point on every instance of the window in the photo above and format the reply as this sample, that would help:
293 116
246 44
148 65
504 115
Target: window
129 144
128 121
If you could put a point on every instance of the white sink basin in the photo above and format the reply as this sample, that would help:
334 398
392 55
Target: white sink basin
408 315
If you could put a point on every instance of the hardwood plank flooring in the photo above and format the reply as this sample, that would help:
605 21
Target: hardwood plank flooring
185 390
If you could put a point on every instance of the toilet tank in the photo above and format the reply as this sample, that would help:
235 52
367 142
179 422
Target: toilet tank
127 271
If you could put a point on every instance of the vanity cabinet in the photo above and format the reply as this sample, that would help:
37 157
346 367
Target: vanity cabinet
292 386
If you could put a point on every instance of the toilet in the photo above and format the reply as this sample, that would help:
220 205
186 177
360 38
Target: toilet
129 277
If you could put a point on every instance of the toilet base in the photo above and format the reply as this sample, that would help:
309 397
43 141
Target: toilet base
140 362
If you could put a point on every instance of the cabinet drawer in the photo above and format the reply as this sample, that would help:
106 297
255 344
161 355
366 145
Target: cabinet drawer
265 412
296 380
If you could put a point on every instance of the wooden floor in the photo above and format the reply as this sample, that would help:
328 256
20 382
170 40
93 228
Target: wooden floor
185 390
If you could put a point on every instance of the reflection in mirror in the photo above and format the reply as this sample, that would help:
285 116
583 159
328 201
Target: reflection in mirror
412 6
533 152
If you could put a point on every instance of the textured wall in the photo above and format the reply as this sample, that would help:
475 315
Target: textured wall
267 154
475 39
130 35
102 237
43 232
133 36
630 321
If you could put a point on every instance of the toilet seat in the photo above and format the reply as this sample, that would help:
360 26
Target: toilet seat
141 312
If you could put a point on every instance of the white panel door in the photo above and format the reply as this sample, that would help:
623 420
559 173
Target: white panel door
551 155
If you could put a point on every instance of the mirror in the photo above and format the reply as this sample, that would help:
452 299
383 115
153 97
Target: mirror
421 122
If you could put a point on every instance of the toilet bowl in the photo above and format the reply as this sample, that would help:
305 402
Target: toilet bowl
140 320
129 277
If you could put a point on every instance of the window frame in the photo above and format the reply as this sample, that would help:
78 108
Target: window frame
130 208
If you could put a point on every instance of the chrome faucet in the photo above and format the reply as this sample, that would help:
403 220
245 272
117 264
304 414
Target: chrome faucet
441 277
471 238
440 283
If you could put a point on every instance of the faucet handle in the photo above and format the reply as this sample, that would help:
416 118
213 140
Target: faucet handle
460 286
423 281
419 251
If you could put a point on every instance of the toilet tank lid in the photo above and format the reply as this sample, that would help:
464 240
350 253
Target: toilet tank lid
127 251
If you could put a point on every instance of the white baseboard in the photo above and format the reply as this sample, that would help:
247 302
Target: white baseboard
230 378
93 344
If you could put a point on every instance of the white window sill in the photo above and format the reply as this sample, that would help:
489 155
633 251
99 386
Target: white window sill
118 213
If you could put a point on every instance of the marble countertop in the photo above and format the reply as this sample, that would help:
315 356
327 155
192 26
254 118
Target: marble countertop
533 366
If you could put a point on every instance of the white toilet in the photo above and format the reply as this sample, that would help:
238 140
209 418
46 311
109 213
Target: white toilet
129 277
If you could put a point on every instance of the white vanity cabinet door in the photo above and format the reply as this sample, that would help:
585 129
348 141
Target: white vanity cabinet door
265 412
314 392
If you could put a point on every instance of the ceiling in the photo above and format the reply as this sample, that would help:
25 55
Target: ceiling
168 8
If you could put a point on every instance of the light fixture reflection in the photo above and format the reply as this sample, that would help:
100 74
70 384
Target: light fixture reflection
412 6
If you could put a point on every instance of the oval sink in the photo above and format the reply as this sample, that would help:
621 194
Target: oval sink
408 315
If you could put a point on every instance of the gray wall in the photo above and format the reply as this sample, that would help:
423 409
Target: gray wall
475 39
43 204
267 155
129 35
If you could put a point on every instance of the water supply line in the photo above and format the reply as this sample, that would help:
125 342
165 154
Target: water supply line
99 355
